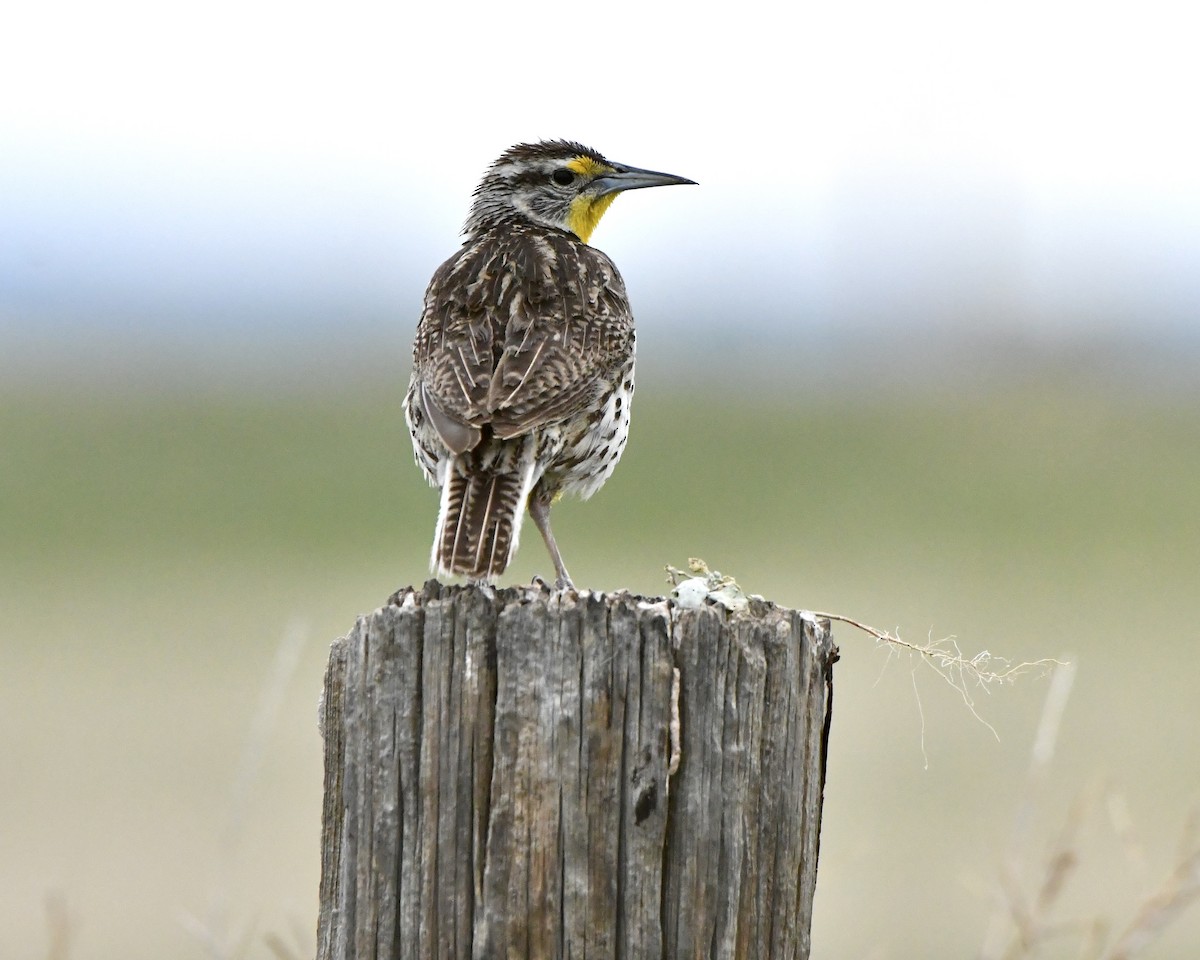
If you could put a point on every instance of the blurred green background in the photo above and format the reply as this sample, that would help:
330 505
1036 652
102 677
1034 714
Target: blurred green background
159 545
921 349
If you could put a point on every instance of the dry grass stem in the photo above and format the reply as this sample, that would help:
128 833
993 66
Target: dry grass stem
963 674
1031 917
1033 927
216 935
281 950
1030 920
1180 890
1026 918
1121 821
60 927
217 944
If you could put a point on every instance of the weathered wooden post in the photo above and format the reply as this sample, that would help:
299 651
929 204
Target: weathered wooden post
524 773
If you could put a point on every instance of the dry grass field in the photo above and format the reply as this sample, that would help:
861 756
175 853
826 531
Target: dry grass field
162 764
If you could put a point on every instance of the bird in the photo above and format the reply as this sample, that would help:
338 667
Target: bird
523 360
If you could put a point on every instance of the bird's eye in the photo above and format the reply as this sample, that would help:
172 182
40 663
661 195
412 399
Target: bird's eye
563 177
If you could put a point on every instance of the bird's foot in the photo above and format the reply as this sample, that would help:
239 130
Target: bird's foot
560 583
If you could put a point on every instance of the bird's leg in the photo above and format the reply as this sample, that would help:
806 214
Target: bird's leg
539 509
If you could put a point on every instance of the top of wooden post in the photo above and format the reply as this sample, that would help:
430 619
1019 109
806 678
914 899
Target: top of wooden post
687 597
523 771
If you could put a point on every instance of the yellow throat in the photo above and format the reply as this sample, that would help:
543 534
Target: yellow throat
586 211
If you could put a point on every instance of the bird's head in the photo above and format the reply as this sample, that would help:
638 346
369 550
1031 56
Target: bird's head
555 183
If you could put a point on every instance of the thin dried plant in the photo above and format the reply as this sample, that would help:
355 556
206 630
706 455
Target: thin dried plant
1025 920
296 950
60 927
1178 891
1032 923
963 674
217 934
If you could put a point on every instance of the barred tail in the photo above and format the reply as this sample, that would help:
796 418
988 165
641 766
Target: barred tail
479 522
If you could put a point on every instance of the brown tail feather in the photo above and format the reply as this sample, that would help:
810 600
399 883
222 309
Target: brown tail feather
479 521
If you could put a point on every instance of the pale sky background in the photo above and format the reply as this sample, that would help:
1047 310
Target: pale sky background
253 173
201 192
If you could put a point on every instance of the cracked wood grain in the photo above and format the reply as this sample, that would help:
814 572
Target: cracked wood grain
498 778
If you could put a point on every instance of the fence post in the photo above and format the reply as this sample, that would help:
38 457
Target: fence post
527 773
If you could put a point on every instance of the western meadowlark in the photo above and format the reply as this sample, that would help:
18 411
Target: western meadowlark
523 360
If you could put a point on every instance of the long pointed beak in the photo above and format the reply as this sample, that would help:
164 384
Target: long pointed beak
633 178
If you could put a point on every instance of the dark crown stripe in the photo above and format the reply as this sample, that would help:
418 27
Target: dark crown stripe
548 150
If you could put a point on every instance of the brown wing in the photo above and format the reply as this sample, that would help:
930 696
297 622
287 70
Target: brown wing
521 329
